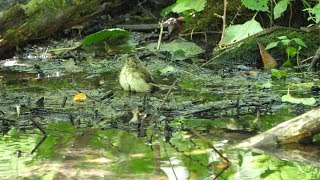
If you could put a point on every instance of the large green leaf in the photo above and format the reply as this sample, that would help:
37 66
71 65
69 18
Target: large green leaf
280 7
113 36
258 5
235 33
178 49
167 10
184 5
300 41
306 101
317 12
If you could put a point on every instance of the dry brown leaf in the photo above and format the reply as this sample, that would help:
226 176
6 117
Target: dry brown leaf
267 60
250 73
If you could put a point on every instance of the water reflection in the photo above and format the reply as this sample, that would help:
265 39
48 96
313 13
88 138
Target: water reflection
91 153
15 154
73 153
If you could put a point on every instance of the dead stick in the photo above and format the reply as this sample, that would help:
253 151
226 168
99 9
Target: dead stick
36 124
215 150
167 95
160 35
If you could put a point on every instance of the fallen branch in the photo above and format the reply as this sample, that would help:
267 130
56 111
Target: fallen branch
298 129
37 21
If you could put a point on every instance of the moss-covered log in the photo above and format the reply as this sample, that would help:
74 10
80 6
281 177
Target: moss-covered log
247 53
39 19
305 154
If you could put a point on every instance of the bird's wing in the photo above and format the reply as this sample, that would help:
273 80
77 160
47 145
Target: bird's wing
145 74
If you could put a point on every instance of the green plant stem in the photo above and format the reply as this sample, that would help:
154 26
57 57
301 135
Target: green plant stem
305 3
271 13
297 58
254 16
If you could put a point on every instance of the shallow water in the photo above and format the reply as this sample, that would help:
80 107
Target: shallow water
71 153
104 146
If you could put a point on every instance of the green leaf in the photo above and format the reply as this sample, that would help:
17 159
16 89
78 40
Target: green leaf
306 101
278 73
286 42
166 70
291 51
315 11
282 37
272 45
167 10
300 42
235 33
280 7
184 5
261 5
179 55
287 63
302 86
113 36
266 85
176 47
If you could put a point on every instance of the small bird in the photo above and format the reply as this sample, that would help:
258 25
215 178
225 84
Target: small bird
134 76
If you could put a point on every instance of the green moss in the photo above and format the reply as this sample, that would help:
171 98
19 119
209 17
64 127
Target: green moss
44 6
12 13
207 20
11 36
191 84
248 52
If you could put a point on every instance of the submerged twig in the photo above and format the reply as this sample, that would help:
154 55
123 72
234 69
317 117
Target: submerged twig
144 9
215 150
63 104
188 156
39 144
37 125
167 95
165 150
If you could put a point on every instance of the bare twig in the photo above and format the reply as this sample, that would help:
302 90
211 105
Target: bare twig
191 35
215 150
237 14
224 24
200 32
36 124
290 17
165 150
39 144
160 35
148 12
223 17
167 95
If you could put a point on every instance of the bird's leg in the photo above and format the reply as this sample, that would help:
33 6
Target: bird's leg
130 95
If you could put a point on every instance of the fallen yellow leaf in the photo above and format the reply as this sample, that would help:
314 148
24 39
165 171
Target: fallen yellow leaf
79 97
